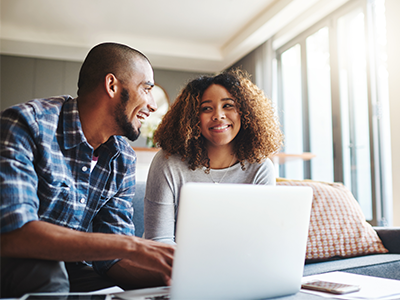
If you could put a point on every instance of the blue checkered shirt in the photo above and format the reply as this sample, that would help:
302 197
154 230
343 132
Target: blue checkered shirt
45 172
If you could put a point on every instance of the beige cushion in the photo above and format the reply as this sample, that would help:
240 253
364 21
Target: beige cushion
337 224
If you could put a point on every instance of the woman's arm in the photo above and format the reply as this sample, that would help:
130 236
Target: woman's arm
160 201
265 173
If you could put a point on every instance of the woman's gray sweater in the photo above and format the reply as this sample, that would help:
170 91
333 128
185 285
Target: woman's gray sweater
166 177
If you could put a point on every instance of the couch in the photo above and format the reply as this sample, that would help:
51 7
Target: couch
381 261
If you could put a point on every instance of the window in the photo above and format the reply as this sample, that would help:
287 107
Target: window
331 90
291 107
354 108
320 104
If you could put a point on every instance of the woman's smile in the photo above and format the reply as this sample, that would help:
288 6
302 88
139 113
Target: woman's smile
220 127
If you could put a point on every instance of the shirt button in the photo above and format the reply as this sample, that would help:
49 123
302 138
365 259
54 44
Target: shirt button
84 169
82 200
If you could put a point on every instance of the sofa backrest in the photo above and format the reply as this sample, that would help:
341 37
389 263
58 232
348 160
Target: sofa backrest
138 206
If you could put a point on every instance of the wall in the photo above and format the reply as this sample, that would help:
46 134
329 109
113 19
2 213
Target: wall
24 78
173 81
258 64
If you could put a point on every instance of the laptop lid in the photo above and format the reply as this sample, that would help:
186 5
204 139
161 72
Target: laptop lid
240 241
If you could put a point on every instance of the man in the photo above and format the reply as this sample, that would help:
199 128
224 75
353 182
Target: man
67 182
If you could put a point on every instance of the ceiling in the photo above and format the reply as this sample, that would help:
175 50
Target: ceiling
191 35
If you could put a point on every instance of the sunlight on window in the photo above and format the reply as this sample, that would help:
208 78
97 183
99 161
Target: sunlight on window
354 103
292 109
380 102
319 105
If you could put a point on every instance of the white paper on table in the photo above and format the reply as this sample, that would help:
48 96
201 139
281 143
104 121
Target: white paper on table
371 287
108 291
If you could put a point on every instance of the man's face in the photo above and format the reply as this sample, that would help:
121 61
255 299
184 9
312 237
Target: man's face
136 101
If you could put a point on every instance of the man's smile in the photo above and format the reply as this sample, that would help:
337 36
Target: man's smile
141 115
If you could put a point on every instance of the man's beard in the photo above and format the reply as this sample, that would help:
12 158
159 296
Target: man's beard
122 120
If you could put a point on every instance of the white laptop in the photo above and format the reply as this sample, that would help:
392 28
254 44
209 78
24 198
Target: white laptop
237 241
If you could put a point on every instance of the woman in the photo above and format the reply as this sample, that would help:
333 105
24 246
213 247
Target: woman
220 129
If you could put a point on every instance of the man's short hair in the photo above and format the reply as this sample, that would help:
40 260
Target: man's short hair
107 58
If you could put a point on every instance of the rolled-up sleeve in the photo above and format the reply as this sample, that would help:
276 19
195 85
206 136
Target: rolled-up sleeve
18 179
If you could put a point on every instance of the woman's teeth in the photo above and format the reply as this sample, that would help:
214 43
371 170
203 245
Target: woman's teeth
220 127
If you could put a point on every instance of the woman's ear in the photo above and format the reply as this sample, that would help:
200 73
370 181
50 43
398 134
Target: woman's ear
111 84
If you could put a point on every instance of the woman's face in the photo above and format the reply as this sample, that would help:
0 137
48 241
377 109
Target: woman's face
219 117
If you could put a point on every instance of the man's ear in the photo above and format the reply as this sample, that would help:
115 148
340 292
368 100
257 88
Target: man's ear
111 84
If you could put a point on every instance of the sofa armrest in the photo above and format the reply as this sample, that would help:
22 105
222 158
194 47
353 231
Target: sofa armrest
390 237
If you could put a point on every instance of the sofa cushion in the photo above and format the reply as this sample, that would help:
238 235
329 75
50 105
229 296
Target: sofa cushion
337 224
379 265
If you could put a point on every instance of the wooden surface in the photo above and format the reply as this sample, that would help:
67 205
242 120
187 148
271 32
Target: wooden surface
146 155
283 158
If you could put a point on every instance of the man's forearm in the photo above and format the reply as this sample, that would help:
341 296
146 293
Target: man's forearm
42 240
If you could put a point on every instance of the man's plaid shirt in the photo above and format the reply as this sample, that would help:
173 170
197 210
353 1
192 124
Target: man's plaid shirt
45 172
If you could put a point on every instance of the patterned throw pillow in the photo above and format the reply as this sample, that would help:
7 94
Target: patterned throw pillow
337 224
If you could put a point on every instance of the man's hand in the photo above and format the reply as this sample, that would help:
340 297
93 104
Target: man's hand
154 256
151 265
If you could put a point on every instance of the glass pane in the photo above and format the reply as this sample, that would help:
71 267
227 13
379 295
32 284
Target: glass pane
354 103
320 106
385 217
275 101
292 109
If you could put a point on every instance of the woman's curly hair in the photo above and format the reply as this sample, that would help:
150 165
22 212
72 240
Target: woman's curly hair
259 135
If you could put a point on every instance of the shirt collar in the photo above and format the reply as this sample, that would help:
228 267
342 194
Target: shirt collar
73 133
72 127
